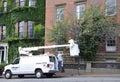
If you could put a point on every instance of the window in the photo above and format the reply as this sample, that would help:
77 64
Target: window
80 8
111 45
30 29
32 3
52 58
110 7
111 42
21 29
5 6
3 32
59 13
22 3
16 61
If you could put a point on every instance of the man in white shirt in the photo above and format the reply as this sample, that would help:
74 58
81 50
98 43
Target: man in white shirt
60 60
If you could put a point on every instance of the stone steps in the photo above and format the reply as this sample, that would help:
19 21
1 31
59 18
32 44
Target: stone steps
99 57
107 56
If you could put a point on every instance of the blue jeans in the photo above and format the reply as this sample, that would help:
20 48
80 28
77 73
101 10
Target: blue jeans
59 65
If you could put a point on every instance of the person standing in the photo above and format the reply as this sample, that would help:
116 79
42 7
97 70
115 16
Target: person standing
60 61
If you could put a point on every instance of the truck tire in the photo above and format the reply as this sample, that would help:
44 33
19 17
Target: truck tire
38 74
8 75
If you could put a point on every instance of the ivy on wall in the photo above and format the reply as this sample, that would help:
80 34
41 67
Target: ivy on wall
15 14
13 50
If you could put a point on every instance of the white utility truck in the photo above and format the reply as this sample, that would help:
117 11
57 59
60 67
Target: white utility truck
39 65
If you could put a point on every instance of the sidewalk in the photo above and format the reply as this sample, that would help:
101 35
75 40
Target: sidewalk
82 73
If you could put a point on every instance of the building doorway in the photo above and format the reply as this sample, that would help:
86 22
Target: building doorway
3 52
2 56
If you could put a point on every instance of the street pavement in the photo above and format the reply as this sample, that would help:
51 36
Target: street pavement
80 78
68 76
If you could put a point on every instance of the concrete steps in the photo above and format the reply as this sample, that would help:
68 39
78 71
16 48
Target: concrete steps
107 56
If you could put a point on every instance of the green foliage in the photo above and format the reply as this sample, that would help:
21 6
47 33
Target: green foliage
39 31
95 28
88 47
16 14
13 47
118 59
2 65
88 32
58 33
26 13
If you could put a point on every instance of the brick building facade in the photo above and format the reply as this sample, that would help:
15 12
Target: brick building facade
59 9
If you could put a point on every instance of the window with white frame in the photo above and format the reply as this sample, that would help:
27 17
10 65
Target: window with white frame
3 32
21 29
5 5
111 45
110 7
22 3
59 13
80 8
32 3
17 2
30 29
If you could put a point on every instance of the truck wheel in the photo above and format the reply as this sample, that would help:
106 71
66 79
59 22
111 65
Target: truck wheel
20 76
8 74
38 73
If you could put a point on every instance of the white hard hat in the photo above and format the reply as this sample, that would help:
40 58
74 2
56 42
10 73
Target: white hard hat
71 41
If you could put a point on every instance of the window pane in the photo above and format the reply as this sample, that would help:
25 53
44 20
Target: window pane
60 13
4 31
80 8
111 42
5 6
22 2
21 29
16 61
110 7
30 29
32 3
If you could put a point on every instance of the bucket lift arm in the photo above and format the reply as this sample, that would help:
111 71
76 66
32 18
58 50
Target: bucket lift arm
73 48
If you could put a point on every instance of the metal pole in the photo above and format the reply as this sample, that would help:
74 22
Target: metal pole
78 65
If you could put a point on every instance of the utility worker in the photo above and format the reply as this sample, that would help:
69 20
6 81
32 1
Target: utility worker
60 61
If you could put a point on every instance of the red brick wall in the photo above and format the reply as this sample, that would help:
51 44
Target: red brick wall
70 8
51 13
118 11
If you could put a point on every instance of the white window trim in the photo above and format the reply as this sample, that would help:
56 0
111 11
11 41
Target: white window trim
59 17
78 11
32 3
22 3
4 31
111 48
5 6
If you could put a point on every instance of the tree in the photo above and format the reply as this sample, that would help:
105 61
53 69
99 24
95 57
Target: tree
96 28
88 32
